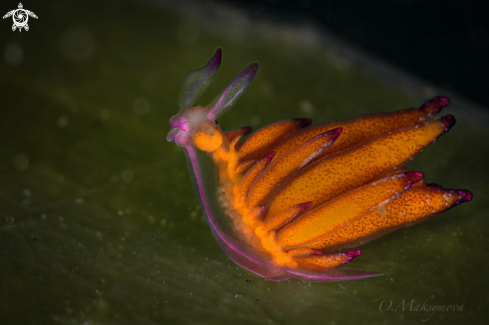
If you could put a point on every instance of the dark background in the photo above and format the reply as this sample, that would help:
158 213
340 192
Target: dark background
441 41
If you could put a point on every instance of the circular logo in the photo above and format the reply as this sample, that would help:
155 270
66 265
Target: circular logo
20 18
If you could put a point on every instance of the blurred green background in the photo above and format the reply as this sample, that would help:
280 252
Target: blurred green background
98 222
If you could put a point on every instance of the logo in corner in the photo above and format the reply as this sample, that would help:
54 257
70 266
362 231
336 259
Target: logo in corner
20 17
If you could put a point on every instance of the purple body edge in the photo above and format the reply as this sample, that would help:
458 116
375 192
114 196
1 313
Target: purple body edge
195 167
285 274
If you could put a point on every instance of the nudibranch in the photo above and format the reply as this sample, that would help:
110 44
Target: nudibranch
288 199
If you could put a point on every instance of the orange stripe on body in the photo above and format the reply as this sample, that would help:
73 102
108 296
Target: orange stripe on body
362 128
333 175
328 218
262 139
287 163
417 204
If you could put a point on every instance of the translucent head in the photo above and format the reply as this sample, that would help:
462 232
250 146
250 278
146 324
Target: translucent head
197 125
193 127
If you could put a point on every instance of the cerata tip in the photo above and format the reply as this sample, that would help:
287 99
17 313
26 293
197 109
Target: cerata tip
450 122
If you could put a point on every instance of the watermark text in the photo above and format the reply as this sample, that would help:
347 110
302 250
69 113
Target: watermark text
428 306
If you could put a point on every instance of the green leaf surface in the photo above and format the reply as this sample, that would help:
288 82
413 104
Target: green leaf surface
98 222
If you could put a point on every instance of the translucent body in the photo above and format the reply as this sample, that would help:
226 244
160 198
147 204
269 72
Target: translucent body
283 201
